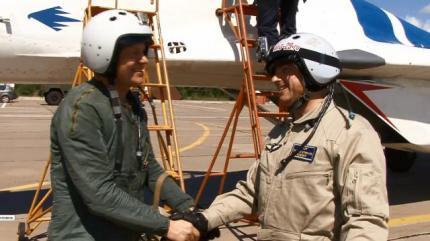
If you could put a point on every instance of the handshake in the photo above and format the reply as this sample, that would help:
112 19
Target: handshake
180 228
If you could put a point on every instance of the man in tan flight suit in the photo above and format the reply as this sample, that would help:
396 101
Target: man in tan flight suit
322 173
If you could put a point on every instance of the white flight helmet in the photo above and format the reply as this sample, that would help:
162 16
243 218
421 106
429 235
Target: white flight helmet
315 57
102 34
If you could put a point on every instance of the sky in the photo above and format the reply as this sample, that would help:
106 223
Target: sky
417 12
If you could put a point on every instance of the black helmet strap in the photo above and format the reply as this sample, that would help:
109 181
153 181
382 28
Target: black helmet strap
319 57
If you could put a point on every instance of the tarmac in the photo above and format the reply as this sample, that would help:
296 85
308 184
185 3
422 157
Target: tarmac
24 150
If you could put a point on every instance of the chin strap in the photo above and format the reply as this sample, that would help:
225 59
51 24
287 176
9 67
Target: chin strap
299 103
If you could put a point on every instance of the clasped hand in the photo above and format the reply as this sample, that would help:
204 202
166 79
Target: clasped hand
199 222
181 230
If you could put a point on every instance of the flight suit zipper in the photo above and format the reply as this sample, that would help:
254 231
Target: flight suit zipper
356 181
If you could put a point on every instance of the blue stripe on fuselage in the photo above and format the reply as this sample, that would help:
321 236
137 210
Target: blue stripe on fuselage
376 24
416 36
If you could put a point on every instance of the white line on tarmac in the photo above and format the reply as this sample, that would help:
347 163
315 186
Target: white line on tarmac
30 98
4 105
26 116
199 107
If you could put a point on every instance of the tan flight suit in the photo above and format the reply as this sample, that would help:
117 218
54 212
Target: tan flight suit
335 189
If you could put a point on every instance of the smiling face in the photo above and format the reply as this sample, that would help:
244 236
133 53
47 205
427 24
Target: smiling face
289 82
131 65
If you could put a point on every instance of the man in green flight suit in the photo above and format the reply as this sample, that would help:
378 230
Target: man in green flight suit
102 157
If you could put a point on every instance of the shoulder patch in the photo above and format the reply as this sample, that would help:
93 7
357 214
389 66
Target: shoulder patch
76 107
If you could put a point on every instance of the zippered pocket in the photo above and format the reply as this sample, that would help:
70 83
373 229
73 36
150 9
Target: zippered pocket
307 174
352 191
365 192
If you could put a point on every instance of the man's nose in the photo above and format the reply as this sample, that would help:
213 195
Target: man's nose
275 79
143 59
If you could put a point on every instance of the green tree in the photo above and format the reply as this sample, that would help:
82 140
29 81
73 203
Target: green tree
197 93
27 90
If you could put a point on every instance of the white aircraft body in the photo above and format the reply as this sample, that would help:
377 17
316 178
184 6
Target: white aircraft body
386 61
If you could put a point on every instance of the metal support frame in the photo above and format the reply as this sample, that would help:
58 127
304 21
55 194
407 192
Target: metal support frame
247 94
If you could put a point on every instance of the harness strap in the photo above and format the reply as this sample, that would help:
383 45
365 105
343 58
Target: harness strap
157 192
116 108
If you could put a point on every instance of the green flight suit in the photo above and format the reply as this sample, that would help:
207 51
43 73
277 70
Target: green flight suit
90 201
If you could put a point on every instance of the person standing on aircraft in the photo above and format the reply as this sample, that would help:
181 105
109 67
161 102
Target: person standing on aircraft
268 18
102 159
321 175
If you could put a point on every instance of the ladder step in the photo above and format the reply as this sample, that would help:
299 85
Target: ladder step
266 93
154 85
250 218
248 9
242 155
273 114
155 46
252 43
159 128
261 77
216 174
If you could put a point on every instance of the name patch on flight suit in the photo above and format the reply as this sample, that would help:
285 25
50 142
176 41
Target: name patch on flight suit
307 154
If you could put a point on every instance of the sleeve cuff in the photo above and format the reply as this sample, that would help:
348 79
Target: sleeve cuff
214 220
165 223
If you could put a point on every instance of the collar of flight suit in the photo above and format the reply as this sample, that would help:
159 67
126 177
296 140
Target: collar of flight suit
313 114
100 86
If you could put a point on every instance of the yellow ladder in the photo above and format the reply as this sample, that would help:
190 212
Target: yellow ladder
169 149
235 16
